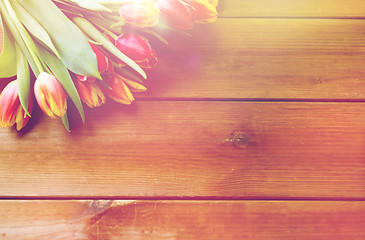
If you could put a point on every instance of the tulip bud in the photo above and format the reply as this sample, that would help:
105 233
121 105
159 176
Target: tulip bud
140 13
205 10
50 95
11 111
119 91
137 48
90 93
176 13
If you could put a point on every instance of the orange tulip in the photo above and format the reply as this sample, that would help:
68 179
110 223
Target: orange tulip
119 91
140 13
11 111
90 93
50 95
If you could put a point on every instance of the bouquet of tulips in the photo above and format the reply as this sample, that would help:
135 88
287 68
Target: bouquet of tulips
83 50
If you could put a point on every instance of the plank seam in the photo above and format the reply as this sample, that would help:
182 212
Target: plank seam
120 198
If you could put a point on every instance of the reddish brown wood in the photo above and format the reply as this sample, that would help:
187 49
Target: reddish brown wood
81 220
220 149
265 58
172 148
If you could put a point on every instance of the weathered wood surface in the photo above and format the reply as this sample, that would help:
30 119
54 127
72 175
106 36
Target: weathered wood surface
292 8
81 220
185 148
176 141
265 58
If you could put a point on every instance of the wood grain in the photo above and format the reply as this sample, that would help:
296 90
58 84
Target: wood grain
265 58
292 8
185 149
194 138
103 220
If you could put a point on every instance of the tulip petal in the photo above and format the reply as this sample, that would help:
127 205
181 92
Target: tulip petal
120 91
91 93
8 56
22 119
134 86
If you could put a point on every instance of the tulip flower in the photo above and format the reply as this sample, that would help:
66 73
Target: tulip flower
177 13
50 95
119 91
105 65
140 13
205 10
137 48
90 93
11 111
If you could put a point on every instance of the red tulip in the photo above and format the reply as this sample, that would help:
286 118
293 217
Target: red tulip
50 95
11 111
119 91
177 13
137 48
90 93
140 13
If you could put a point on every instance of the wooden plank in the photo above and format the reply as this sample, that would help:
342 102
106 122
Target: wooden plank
265 58
292 8
81 220
185 149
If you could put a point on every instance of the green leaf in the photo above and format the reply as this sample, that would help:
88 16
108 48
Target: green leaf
33 26
100 21
23 77
65 122
63 76
18 38
91 5
8 55
71 44
33 51
94 33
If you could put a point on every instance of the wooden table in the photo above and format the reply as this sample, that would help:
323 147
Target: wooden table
254 128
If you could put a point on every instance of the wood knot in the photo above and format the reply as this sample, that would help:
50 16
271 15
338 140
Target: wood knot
239 139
